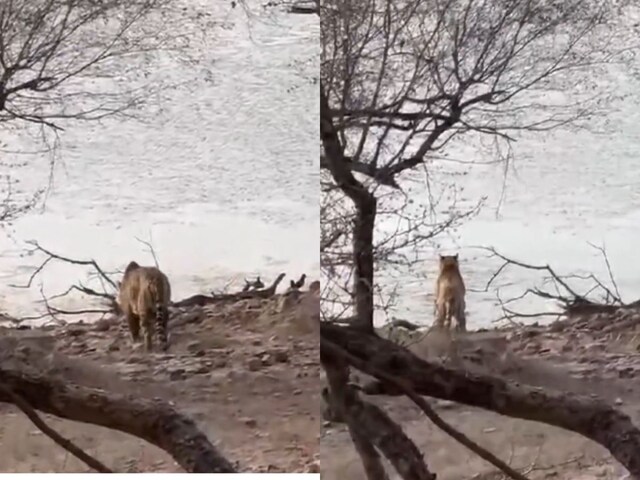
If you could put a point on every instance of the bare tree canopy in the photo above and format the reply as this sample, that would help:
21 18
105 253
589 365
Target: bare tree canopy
63 61
404 80
57 57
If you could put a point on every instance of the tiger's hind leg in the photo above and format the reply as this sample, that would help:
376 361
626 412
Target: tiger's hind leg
133 321
441 314
162 325
461 318
448 314
147 323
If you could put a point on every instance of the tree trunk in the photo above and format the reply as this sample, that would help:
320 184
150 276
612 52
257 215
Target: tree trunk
365 204
371 427
364 263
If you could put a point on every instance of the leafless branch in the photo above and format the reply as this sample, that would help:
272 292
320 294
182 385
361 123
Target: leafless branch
334 349
152 420
571 302
65 443
588 416
150 248
54 256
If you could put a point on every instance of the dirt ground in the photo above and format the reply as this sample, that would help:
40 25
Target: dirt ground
247 373
592 355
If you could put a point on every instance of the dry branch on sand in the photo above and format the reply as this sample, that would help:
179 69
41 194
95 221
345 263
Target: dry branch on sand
598 297
200 300
585 415
152 420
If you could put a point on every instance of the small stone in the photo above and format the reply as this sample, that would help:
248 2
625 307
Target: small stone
23 349
266 359
314 467
297 392
200 353
281 356
445 404
178 374
254 364
113 347
75 332
102 325
489 430
618 401
249 422
201 370
193 347
626 372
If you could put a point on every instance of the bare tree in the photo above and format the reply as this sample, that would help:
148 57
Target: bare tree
61 61
404 81
400 83
59 58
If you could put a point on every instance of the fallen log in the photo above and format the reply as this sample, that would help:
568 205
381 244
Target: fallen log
152 420
590 417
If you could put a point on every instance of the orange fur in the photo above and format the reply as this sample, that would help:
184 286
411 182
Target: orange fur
144 297
450 293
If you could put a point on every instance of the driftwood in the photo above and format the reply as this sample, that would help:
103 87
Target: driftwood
590 417
152 420
201 300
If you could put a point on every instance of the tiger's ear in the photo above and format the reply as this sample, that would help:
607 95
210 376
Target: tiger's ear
456 256
441 257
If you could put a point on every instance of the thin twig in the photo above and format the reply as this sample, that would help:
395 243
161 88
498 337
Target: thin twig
151 249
